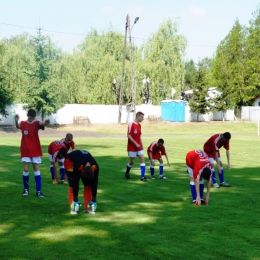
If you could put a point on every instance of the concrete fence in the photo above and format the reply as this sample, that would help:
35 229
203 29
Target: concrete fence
106 114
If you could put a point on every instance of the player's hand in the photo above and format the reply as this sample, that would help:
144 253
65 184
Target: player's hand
138 145
198 202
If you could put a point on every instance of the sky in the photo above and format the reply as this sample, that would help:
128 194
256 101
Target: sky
204 23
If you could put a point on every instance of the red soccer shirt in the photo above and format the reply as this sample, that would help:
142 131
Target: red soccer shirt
197 160
134 129
156 151
53 149
30 143
68 145
214 144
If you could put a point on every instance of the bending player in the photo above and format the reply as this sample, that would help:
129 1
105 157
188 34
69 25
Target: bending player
199 168
211 147
57 151
155 152
80 164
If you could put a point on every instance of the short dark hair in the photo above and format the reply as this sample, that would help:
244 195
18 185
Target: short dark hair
69 136
206 173
31 112
87 173
139 113
161 141
63 151
227 135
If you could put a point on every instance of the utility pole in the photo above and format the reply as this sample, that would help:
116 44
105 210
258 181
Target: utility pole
133 87
123 73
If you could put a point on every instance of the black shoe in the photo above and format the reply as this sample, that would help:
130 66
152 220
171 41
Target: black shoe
144 179
39 194
127 176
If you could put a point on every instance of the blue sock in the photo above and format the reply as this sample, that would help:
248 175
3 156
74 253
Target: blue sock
52 172
161 169
152 170
128 168
26 180
193 191
38 180
201 189
142 168
221 176
213 177
62 173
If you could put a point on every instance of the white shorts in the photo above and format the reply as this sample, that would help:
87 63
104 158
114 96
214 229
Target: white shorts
134 154
59 160
190 171
212 160
36 160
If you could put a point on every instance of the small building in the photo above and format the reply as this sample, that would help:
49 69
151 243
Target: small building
173 110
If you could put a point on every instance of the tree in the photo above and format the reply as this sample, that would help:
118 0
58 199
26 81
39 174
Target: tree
190 75
199 102
6 97
42 92
229 68
163 56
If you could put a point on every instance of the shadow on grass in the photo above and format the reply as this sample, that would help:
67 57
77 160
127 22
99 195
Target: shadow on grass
134 220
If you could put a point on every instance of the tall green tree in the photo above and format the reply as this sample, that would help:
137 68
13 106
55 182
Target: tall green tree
6 97
164 57
200 102
42 91
229 68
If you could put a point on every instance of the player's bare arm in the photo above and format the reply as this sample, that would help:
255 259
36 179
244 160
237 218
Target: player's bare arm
166 156
16 118
228 159
208 192
46 122
197 186
218 162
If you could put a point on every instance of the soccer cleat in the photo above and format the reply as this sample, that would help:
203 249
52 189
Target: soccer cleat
64 182
39 194
25 192
127 176
215 185
152 177
144 179
55 182
163 177
224 184
72 212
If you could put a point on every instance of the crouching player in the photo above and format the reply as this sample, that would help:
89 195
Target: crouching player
199 168
80 164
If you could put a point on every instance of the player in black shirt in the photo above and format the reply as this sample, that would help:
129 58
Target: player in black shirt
80 164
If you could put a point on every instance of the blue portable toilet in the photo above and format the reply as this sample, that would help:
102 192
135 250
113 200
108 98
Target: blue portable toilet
173 110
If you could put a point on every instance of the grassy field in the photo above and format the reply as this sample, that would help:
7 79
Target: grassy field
135 220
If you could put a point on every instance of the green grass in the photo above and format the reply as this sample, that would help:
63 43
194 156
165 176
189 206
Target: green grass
136 220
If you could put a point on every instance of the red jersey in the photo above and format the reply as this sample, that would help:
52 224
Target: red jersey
68 145
53 149
134 129
197 160
157 152
214 144
30 143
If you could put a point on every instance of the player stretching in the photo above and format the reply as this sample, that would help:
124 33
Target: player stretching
199 168
31 149
155 152
57 151
80 164
135 145
211 147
